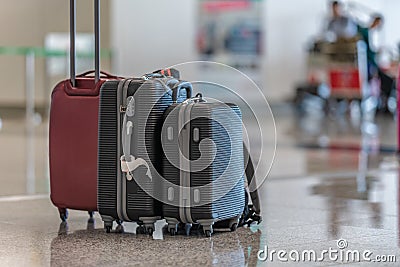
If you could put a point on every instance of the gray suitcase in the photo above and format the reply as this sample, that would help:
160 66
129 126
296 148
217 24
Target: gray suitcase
203 164
129 147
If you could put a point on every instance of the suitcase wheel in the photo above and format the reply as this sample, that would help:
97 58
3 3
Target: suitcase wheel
120 229
172 231
140 230
207 233
207 228
63 214
108 224
150 230
188 226
91 219
173 226
234 227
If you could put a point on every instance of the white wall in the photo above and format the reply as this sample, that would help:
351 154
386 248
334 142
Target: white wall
390 9
289 26
150 34
26 23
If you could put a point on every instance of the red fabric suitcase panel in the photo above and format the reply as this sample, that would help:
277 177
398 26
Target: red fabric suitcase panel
73 146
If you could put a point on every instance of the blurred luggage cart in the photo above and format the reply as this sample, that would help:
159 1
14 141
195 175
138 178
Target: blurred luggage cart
342 67
337 80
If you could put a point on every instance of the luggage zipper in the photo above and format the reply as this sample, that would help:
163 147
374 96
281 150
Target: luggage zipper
188 211
182 157
121 179
119 173
184 200
128 165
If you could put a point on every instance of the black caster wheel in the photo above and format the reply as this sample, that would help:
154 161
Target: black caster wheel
119 222
108 229
150 231
180 229
207 233
63 214
172 232
234 227
91 218
119 229
140 230
63 229
188 226
196 229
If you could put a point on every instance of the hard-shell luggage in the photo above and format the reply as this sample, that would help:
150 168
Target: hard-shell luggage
203 163
129 158
73 132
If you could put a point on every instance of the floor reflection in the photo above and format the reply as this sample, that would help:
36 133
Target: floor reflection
95 247
340 192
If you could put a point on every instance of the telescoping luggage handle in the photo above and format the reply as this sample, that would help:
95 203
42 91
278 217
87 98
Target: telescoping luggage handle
72 29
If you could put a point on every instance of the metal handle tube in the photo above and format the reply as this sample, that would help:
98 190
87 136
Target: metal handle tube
72 32
97 40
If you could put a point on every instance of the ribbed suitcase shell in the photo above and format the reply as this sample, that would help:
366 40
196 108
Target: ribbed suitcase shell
231 204
138 202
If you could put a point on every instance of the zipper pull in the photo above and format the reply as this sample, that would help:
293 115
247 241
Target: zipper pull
122 109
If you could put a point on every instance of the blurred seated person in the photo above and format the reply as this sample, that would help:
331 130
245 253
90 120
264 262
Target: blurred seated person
340 26
387 82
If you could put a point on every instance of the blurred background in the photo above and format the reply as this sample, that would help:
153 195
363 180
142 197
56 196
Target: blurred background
268 39
295 52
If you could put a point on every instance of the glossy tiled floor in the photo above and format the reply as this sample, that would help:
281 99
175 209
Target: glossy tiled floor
312 198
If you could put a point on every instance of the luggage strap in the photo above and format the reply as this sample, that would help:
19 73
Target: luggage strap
251 212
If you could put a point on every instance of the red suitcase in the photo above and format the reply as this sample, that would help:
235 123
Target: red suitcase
73 132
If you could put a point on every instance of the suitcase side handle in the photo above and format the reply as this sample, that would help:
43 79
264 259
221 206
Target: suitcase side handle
180 86
72 30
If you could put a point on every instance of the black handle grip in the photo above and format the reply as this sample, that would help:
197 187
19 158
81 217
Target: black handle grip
103 73
177 88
